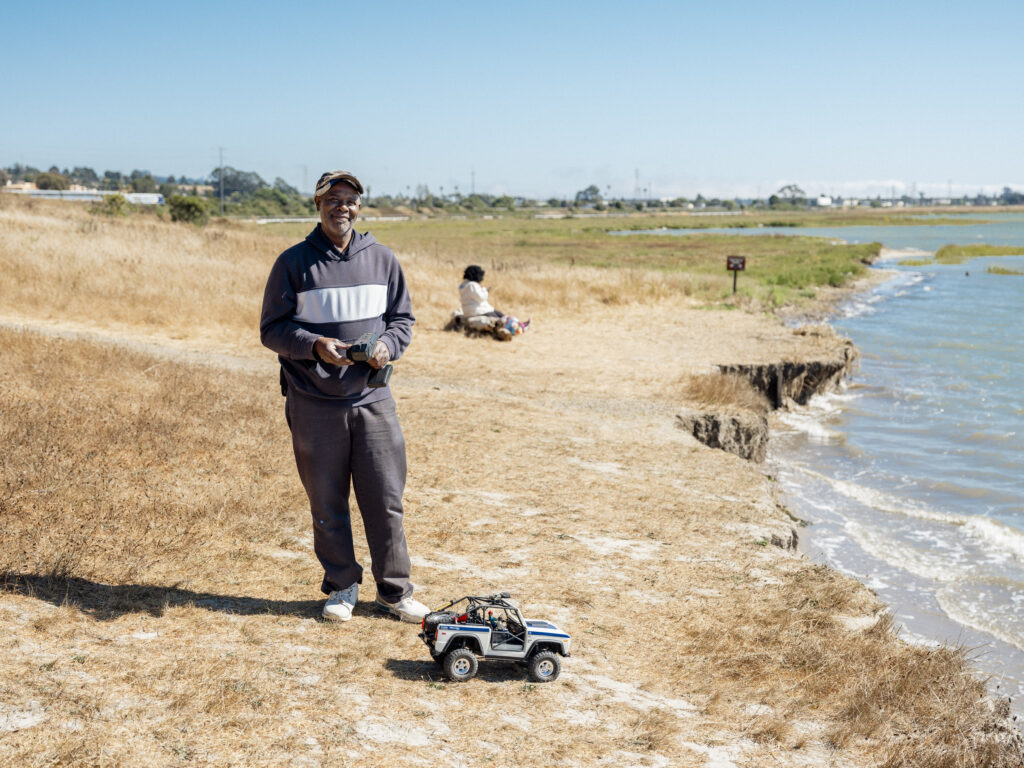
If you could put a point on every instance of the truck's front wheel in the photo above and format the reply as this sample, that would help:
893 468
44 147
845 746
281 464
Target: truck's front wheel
460 665
544 666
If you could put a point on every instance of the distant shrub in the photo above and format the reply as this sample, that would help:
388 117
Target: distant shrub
112 205
188 208
51 181
994 270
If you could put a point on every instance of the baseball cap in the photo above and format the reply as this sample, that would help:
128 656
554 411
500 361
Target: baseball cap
331 178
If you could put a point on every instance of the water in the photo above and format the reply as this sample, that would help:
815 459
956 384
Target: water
997 229
912 477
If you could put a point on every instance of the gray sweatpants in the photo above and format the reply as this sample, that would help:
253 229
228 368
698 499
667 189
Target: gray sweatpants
333 444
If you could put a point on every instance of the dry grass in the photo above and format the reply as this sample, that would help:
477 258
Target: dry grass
727 390
158 595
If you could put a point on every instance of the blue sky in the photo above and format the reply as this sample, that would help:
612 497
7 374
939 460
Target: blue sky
540 99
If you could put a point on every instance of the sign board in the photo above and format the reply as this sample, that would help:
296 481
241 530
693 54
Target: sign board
735 263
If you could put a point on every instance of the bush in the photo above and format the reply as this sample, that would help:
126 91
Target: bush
112 205
191 209
51 181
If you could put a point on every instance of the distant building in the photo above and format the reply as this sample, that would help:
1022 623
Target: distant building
823 201
82 195
144 198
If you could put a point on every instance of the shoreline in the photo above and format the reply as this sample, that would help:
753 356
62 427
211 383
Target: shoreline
928 615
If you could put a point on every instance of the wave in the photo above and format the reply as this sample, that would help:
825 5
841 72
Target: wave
996 536
995 619
926 564
809 425
865 303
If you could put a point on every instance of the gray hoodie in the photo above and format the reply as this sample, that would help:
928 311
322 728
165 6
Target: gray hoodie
314 290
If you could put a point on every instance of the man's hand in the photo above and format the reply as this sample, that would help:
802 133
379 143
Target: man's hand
381 355
332 351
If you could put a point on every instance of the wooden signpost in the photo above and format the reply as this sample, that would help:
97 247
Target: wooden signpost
735 264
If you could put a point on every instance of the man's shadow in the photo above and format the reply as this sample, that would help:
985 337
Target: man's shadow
110 601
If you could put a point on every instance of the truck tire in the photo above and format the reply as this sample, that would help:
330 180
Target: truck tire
460 665
544 666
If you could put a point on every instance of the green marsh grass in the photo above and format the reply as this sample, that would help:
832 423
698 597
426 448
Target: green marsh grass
958 254
996 270
780 269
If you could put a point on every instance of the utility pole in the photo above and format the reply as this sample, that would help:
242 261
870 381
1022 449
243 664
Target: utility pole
472 181
221 175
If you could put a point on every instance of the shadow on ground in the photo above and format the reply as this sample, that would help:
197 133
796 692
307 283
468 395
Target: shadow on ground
110 601
428 671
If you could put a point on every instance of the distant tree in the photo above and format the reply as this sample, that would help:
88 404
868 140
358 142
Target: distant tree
112 180
54 170
85 176
170 180
285 188
21 172
793 194
167 190
590 195
4 177
142 181
50 180
773 200
238 185
1010 197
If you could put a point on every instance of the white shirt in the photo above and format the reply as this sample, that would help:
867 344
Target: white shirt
474 299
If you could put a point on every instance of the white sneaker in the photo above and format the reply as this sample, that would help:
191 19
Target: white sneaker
340 603
410 610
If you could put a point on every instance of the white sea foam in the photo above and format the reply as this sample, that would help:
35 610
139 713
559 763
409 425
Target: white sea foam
801 421
885 502
992 535
997 535
971 612
925 563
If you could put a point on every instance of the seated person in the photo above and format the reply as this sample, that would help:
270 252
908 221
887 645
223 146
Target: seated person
473 295
474 301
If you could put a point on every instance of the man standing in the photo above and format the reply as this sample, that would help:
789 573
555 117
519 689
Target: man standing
323 294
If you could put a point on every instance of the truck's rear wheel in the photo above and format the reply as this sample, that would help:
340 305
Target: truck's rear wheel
460 665
544 666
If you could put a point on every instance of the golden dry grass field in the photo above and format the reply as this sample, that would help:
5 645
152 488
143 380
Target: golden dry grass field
159 601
